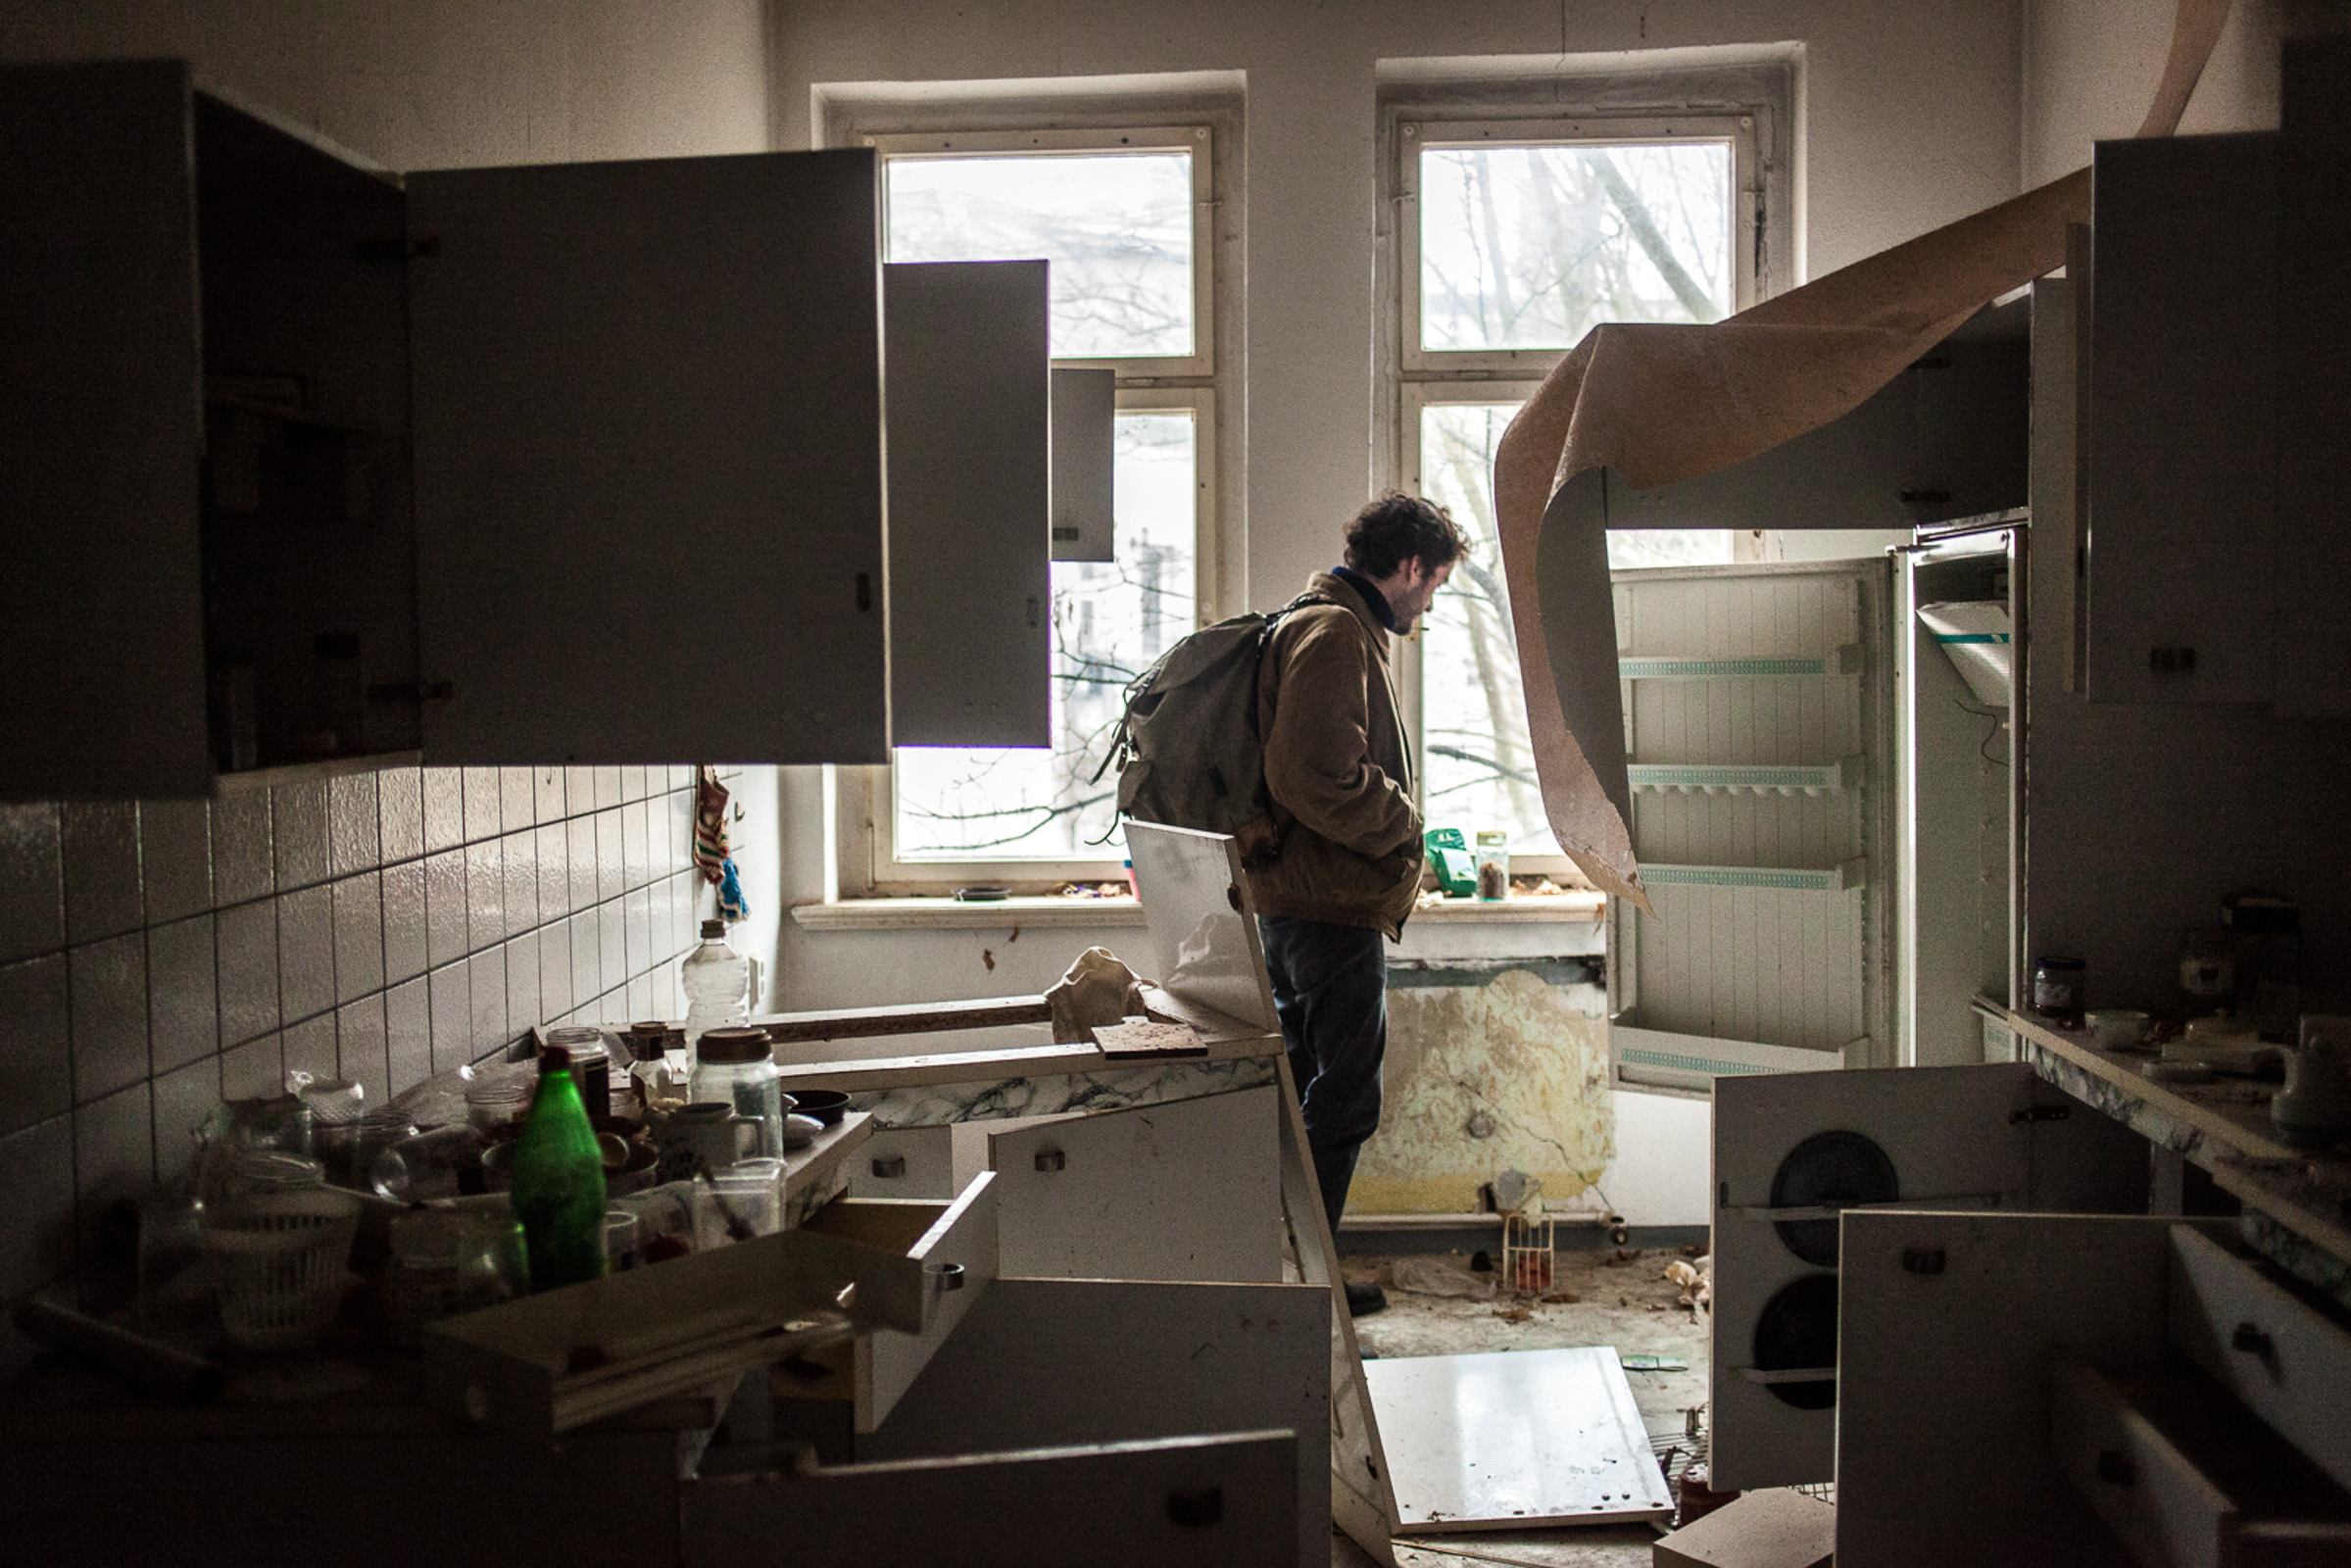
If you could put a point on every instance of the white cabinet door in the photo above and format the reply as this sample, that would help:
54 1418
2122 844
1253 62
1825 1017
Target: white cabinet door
101 435
1754 700
1170 1191
647 461
971 476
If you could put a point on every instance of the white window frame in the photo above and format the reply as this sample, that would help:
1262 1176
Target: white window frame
1425 377
863 801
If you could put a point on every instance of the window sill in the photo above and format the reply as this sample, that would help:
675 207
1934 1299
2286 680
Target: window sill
947 914
1038 913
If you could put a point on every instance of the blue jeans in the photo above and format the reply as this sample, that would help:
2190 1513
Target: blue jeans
1330 988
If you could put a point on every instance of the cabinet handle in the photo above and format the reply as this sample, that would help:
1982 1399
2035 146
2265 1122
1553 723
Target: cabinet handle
1052 1159
865 590
950 1276
2251 1340
1032 611
889 1167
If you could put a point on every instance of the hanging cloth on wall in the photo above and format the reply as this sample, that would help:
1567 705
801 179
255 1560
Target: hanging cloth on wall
709 823
1648 405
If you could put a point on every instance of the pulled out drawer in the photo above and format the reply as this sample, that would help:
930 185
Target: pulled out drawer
2187 1477
953 1243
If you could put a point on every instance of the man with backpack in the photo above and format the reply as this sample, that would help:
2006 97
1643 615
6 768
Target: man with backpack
1345 870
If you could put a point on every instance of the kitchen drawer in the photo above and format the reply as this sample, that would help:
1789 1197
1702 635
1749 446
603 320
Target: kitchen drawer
906 1162
2289 1366
955 1243
2187 1477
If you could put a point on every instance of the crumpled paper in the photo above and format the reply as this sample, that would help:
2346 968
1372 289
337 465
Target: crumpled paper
1648 405
1097 990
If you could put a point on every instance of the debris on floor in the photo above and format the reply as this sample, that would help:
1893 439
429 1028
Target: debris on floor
1438 1276
1696 1282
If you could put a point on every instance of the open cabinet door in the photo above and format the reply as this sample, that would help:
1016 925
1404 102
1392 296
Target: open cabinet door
1754 701
647 461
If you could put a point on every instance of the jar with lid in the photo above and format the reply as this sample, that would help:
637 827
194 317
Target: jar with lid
2057 989
737 1067
591 1065
1492 863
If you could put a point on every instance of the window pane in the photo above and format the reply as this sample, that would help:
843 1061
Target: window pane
1116 227
1111 622
1478 764
1532 247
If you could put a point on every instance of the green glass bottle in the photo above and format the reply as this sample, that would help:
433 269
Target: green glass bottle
559 1181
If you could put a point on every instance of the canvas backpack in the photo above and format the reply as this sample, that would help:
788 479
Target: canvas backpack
1187 751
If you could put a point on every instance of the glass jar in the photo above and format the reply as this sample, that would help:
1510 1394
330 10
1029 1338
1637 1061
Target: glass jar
1493 862
591 1065
2057 991
737 1067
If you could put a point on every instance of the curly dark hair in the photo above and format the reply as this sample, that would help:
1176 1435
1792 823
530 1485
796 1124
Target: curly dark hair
1396 528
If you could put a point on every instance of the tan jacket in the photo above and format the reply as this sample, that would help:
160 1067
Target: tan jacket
1338 770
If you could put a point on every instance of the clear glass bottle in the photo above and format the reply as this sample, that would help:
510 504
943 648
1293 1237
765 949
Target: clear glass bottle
737 1067
715 978
1493 862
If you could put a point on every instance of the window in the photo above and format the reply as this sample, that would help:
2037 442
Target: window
1122 218
1516 239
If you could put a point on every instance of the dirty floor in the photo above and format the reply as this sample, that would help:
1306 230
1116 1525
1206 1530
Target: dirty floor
1623 1298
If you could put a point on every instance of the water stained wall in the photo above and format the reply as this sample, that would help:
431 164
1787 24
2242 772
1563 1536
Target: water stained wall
1494 1074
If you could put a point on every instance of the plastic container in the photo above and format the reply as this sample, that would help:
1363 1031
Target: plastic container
279 1260
716 979
736 1066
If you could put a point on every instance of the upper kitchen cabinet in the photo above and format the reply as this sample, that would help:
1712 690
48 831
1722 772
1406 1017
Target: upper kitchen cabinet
647 461
2182 460
202 440
969 418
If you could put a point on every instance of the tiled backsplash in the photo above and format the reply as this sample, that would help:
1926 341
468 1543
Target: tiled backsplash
158 955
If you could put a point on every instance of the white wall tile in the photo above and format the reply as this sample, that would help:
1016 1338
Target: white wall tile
183 1007
451 1017
444 809
101 870
487 978
579 862
113 1157
638 998
485 893
243 864
33 882
353 823
404 917
400 814
555 971
518 799
608 788
551 847
255 1068
637 913
522 1007
547 783
359 919
407 1033
587 956
182 1100
310 1046
176 858
485 808
361 1053
613 943
298 831
39 1081
636 846
36 1238
579 791
248 967
680 818
305 952
665 1000
521 880
447 921
612 869
632 784
109 981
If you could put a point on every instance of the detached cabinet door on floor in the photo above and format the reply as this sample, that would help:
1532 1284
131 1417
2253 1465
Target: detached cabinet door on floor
647 461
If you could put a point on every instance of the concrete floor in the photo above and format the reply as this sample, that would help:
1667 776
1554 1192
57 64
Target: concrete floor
1624 1300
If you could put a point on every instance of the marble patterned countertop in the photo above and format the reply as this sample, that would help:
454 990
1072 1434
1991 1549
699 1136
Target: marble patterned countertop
2297 1202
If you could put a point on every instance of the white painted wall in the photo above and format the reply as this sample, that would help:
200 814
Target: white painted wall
2090 69
451 84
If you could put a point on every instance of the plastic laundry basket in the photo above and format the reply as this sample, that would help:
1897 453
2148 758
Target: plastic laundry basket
279 1260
